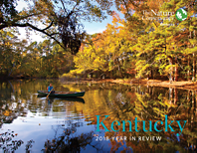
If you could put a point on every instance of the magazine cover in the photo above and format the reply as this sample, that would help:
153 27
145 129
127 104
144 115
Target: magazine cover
88 76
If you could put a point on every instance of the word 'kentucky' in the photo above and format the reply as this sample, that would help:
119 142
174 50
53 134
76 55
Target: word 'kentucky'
157 128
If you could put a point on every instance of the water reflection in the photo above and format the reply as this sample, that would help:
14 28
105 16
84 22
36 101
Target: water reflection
8 142
56 124
151 104
67 141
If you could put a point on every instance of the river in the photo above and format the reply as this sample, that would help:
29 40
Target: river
109 117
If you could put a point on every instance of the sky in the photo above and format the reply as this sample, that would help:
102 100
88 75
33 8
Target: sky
89 27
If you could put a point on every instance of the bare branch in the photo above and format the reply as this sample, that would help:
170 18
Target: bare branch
75 6
54 34
48 26
64 6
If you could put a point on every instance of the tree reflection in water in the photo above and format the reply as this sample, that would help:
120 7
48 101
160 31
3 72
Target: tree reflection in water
147 106
67 141
8 144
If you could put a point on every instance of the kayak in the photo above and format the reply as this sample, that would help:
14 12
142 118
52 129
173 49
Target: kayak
61 94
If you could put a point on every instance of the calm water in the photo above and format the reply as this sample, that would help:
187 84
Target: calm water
36 124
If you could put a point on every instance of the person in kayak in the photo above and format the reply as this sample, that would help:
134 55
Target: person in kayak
49 88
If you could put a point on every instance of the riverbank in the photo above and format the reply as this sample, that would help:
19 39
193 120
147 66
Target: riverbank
24 78
187 85
152 82
160 83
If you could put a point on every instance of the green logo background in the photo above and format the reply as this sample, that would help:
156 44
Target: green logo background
181 14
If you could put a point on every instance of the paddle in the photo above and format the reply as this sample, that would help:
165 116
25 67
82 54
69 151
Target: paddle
49 93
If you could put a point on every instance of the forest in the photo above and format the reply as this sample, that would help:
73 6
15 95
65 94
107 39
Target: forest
147 42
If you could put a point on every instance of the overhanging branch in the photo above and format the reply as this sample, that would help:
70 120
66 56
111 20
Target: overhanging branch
34 28
48 26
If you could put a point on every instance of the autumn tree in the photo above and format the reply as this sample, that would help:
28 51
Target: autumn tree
164 46
106 53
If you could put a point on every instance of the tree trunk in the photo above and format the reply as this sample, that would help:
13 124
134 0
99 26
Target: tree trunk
195 103
171 71
188 69
175 95
176 71
170 94
119 68
194 68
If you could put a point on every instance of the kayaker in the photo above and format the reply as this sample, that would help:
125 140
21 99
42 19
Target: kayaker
49 88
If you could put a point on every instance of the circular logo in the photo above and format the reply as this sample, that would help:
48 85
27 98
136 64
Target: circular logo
181 14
